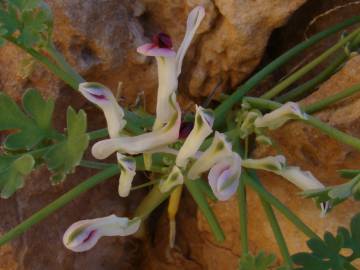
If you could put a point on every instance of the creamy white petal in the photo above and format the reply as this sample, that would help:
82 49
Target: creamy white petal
302 179
84 234
224 177
280 116
204 120
127 174
219 149
194 19
142 143
104 98
174 179
271 163
168 84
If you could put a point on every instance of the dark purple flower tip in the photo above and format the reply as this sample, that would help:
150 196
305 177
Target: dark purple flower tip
162 40
89 236
98 96
185 129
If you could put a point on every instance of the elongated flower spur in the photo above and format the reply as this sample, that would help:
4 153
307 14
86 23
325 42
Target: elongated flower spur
84 234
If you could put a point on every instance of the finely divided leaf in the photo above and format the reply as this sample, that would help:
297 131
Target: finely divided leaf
261 261
64 156
12 173
32 126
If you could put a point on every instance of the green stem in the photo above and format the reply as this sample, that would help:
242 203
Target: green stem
235 97
323 103
312 121
310 66
96 165
59 203
277 233
61 61
242 205
310 85
205 189
252 181
147 184
205 209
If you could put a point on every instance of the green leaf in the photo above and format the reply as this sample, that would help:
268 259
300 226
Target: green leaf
12 173
64 156
26 4
326 254
31 126
261 261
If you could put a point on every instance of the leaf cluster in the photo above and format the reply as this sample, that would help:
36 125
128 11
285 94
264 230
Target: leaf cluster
28 23
260 261
328 253
31 140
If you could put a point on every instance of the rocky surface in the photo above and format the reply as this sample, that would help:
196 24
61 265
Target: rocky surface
99 38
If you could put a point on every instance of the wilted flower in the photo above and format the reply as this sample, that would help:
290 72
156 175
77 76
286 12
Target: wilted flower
84 234
280 116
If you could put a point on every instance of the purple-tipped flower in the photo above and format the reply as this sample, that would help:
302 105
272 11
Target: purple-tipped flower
169 63
224 177
84 234
104 98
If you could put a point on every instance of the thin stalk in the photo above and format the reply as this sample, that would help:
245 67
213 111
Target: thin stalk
310 66
49 64
147 184
252 181
310 85
277 233
59 203
205 209
242 205
323 103
95 164
312 121
61 61
240 92
205 188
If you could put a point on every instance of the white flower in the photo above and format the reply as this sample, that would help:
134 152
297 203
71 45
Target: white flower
271 163
219 149
84 234
143 143
169 63
280 116
104 98
224 177
127 173
204 120
174 179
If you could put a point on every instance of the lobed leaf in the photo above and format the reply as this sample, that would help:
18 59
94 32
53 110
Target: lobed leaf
64 156
260 261
31 125
12 173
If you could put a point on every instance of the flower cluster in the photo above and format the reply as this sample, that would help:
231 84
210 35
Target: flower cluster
191 160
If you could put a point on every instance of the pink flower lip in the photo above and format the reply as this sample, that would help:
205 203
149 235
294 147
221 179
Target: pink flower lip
89 236
162 40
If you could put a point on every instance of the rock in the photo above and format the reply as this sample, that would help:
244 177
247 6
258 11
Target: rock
308 148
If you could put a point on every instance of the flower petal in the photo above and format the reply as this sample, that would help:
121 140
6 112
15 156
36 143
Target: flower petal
84 234
104 98
174 179
142 143
271 163
150 49
127 173
280 116
168 84
302 179
224 177
194 19
219 149
204 120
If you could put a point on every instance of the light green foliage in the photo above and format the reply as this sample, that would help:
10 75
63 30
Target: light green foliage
12 173
336 194
327 254
261 261
28 22
32 124
64 156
